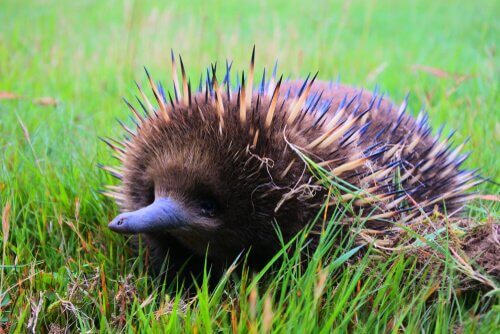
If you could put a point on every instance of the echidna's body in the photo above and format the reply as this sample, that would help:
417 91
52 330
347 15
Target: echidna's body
212 172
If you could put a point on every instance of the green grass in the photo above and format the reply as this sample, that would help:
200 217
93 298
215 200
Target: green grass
61 267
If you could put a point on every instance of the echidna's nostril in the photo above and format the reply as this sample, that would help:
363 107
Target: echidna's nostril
119 224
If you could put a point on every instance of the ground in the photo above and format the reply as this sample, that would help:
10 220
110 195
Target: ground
63 69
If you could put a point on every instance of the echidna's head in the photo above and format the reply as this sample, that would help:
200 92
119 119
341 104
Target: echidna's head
217 184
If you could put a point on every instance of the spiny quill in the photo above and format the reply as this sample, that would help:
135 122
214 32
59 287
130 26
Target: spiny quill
215 171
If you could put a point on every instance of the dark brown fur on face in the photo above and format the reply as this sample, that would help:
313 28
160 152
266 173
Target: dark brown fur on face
226 162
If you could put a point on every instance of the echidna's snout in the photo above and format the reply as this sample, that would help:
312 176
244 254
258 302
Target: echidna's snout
162 215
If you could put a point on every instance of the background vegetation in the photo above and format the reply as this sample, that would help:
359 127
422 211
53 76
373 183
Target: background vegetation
63 69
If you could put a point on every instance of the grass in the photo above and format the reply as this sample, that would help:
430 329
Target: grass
61 267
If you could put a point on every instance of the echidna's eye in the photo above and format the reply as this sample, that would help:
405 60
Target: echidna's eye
208 207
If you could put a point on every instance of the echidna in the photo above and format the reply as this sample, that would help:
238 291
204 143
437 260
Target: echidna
214 172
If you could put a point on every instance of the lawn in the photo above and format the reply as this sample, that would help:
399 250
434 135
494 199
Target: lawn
64 66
